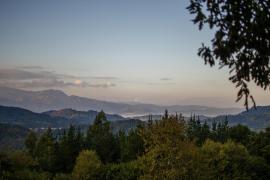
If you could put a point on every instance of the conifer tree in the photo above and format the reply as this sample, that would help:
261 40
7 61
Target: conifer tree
101 139
30 142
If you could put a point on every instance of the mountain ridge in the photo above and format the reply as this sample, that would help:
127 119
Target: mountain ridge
40 101
29 119
256 118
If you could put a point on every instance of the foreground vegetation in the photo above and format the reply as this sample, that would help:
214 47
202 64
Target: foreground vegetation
167 149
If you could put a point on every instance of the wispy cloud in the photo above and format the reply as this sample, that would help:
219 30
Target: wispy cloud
31 67
21 78
18 74
104 77
165 79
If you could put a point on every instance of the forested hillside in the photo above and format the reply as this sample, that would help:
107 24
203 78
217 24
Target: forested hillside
170 148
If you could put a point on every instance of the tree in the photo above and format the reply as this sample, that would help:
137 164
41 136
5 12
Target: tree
30 142
123 171
131 145
240 134
241 41
226 161
258 168
169 153
70 144
166 114
46 152
101 139
87 166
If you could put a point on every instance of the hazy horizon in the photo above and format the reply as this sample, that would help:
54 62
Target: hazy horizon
123 51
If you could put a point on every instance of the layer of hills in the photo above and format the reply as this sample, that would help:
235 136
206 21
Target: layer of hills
15 122
54 119
40 101
256 119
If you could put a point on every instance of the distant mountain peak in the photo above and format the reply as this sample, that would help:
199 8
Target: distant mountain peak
40 101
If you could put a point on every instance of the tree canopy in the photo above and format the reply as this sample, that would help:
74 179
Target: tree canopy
241 41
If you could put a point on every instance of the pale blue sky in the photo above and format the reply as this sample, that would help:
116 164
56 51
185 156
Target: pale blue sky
121 50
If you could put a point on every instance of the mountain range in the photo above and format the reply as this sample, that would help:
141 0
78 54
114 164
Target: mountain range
256 118
54 119
15 122
46 100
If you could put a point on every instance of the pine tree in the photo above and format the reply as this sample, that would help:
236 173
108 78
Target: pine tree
30 143
101 139
46 152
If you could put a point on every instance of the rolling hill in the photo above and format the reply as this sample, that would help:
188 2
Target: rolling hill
54 119
256 119
40 101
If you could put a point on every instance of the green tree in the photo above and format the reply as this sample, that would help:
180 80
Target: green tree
87 166
257 168
226 161
169 153
101 139
70 144
240 134
241 40
30 142
123 171
222 131
259 145
131 145
46 152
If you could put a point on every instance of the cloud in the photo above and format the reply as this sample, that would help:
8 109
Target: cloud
19 78
31 67
104 77
18 74
165 79
78 82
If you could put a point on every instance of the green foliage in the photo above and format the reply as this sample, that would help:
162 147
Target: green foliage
30 142
123 171
165 149
131 145
226 161
257 168
169 154
241 40
259 145
240 134
87 166
196 131
70 144
101 139
12 136
20 165
62 177
46 152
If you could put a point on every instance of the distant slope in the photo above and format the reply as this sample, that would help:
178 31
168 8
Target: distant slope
81 117
256 119
12 136
29 119
54 119
40 101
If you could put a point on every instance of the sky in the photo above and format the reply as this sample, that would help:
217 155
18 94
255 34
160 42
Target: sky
142 51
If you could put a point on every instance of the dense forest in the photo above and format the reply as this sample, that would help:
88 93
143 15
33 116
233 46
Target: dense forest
170 148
